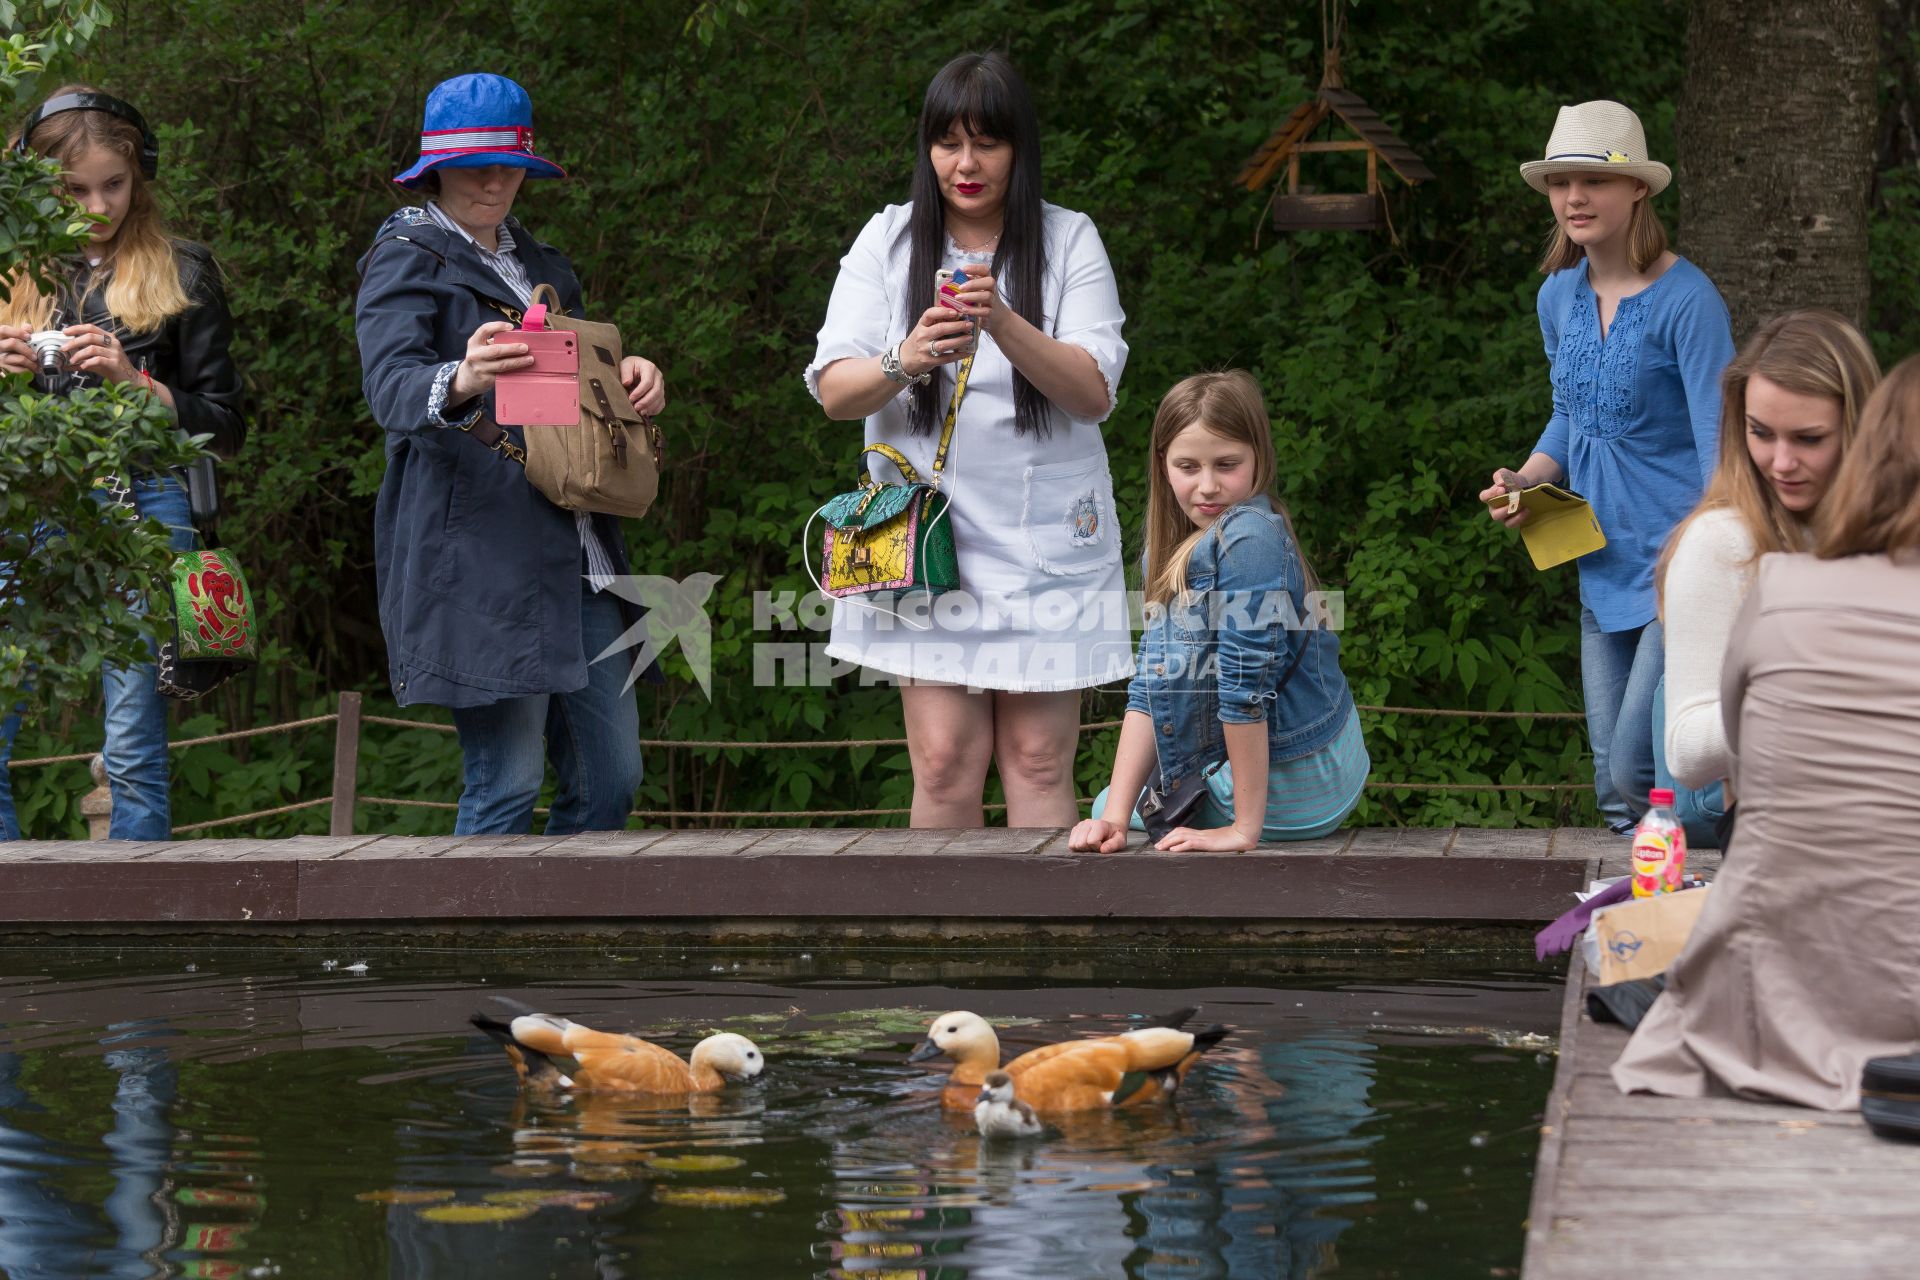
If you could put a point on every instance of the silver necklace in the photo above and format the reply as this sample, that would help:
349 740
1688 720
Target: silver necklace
992 240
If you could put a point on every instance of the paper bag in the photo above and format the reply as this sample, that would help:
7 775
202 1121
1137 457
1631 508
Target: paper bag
1641 938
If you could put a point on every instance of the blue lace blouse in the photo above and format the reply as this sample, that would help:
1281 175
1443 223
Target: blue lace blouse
1636 419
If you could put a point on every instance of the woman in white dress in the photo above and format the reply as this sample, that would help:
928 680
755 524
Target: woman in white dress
991 672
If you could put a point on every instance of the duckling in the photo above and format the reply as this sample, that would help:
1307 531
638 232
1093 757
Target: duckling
999 1114
615 1063
1131 1069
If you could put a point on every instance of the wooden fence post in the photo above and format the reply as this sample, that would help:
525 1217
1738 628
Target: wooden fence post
97 805
346 765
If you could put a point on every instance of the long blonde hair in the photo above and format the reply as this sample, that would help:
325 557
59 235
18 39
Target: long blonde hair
141 272
1873 507
1646 241
1230 406
1814 352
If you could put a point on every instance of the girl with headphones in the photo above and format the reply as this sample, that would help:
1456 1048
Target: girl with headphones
140 308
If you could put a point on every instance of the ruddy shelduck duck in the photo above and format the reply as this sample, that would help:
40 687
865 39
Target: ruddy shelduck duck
611 1063
1136 1067
999 1114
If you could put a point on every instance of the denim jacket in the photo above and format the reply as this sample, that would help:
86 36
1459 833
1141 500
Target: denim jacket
1219 655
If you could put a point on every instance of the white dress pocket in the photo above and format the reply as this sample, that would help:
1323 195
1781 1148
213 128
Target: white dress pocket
1068 518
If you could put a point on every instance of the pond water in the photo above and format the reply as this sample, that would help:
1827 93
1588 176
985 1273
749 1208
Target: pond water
226 1113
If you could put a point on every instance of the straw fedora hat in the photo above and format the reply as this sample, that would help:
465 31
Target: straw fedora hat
1598 137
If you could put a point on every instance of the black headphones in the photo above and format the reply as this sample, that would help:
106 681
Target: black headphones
149 145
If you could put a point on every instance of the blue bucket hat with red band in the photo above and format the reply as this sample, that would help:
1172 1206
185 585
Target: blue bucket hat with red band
476 120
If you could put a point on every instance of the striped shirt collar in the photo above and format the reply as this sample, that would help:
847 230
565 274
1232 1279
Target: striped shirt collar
501 233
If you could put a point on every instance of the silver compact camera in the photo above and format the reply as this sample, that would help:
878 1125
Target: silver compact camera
48 346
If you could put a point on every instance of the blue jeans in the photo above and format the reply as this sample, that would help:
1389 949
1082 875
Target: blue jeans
1699 811
1620 672
136 714
591 735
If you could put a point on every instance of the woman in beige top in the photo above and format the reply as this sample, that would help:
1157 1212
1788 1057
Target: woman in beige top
1789 405
1803 964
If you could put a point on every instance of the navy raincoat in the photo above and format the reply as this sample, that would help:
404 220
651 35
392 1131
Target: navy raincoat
479 575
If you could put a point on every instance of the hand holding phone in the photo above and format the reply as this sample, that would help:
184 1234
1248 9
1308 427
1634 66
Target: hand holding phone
946 292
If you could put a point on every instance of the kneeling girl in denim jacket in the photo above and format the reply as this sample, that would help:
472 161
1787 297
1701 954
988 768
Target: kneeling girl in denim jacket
1235 681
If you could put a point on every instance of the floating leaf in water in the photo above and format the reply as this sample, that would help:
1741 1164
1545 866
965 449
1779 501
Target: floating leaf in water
719 1197
609 1153
404 1196
696 1163
610 1172
477 1212
527 1169
534 1198
581 1200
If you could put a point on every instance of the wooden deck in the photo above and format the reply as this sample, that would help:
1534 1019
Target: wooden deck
1678 1188
846 884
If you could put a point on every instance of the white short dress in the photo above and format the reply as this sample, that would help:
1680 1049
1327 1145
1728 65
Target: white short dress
1042 600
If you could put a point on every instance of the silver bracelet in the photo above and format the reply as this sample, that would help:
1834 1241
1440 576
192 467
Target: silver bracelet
890 365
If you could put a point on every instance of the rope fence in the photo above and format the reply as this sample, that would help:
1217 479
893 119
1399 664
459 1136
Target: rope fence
348 720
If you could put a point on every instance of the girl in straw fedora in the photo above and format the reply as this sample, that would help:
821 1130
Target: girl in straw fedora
1636 337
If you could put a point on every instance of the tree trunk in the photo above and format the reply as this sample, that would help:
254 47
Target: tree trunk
1776 133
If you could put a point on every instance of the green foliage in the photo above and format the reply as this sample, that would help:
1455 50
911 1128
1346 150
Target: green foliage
724 154
73 566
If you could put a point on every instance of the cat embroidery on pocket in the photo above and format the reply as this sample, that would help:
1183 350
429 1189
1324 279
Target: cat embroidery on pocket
1065 517
1083 519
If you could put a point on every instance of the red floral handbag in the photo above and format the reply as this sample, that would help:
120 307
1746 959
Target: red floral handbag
214 631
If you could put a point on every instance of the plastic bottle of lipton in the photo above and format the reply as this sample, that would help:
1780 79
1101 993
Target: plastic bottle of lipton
1659 847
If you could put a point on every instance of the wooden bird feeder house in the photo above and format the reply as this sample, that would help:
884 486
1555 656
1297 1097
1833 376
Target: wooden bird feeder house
1297 210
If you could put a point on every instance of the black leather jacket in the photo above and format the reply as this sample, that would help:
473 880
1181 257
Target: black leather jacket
189 353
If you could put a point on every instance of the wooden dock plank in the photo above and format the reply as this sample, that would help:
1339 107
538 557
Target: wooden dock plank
1431 841
1813 1247
1483 842
773 875
1585 842
1672 1188
1595 1097
153 892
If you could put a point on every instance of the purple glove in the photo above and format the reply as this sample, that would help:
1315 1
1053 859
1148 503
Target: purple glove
1562 933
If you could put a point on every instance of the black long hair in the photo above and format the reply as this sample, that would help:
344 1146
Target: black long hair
983 92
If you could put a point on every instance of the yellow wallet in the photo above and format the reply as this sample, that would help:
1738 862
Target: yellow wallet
1560 527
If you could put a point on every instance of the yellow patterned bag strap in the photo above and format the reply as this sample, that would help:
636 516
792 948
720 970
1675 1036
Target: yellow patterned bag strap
953 415
892 455
899 459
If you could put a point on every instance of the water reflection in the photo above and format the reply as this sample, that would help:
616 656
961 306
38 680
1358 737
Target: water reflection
1245 1180
49 1230
399 1145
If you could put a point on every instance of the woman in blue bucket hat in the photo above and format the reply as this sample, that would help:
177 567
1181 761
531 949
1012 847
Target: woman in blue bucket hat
493 599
